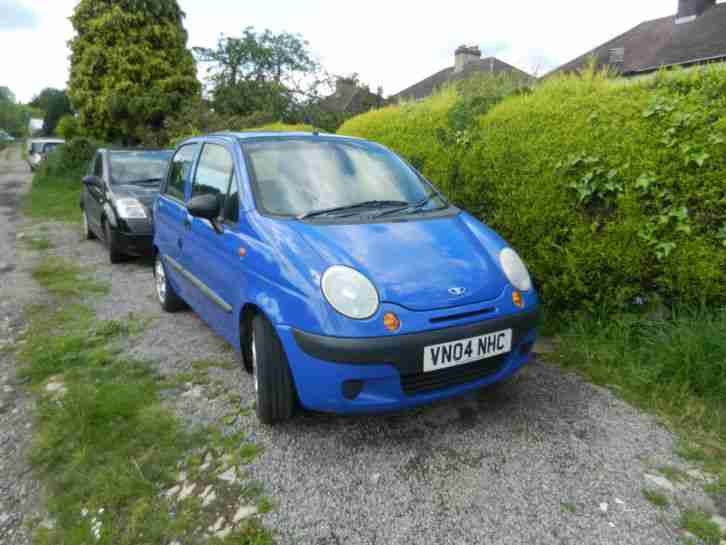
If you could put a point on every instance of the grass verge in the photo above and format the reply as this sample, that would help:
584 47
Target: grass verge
104 446
672 366
53 198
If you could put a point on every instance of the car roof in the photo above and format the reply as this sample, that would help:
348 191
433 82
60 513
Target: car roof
47 141
135 150
248 136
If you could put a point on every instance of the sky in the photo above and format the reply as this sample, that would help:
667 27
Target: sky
392 43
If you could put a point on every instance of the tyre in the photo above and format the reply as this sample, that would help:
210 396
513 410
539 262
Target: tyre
274 387
115 255
168 298
87 233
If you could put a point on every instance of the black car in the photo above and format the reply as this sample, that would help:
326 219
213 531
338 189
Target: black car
118 196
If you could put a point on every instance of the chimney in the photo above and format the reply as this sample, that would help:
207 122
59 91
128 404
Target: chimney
690 9
464 55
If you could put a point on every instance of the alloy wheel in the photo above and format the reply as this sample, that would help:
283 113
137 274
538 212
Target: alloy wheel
160 280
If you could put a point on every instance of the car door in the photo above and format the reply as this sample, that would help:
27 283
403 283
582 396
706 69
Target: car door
214 254
171 218
95 196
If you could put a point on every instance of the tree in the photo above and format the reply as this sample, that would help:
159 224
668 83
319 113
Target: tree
262 72
13 117
130 67
55 104
67 127
6 95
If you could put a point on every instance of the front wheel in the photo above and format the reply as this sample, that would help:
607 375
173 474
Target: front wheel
165 293
274 387
115 255
90 235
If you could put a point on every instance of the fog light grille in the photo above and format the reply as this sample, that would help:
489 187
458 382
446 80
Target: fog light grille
420 383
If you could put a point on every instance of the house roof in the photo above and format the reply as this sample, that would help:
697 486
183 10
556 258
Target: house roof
348 98
662 42
427 86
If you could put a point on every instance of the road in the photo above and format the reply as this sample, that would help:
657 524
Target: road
545 460
18 491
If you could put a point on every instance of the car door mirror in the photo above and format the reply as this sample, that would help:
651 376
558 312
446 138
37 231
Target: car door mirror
204 206
93 181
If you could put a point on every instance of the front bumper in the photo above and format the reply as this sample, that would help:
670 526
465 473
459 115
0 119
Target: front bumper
135 237
374 374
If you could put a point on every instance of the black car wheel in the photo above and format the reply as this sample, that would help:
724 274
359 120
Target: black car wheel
168 298
115 255
90 235
274 387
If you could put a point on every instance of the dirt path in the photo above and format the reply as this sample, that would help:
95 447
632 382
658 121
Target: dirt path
546 460
18 491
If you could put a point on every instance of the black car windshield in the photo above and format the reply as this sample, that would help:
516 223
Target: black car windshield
299 177
129 167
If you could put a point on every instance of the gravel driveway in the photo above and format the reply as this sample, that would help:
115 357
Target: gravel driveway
546 459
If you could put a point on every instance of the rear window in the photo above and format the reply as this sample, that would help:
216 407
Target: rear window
129 167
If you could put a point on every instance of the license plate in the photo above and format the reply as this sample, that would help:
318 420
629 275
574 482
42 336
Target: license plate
443 356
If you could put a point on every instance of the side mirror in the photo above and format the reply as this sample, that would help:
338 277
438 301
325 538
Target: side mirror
205 207
92 181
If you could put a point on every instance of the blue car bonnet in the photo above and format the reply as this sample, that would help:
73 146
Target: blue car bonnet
420 264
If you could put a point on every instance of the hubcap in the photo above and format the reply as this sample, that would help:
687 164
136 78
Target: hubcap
160 280
254 363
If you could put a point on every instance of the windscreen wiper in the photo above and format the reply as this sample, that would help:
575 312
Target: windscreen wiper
347 208
410 207
146 181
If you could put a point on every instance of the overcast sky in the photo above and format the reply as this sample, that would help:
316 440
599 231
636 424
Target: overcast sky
392 43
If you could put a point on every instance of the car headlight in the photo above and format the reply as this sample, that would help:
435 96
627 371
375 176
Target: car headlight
515 269
130 209
349 292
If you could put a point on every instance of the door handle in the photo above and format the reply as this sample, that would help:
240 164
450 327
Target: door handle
180 243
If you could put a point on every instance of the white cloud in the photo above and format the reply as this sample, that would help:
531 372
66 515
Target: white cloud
392 43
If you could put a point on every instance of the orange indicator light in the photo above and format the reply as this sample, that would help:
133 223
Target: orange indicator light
391 321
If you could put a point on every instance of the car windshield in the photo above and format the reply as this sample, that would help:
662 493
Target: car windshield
299 177
131 167
50 147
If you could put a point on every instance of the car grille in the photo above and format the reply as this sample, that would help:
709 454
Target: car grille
420 383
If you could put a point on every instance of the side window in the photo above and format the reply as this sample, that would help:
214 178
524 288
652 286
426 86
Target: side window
181 164
215 175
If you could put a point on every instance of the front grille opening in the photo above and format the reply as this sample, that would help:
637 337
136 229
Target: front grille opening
419 383
461 316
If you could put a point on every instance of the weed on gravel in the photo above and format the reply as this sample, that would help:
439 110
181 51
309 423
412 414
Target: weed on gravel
104 446
656 498
700 525
65 279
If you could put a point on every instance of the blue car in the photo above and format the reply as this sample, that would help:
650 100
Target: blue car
346 281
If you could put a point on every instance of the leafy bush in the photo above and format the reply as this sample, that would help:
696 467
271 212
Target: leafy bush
68 127
612 191
69 161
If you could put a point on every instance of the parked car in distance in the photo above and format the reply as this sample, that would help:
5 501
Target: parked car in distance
348 283
117 199
39 148
5 137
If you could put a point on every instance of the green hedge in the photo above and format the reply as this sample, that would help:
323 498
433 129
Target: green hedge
613 191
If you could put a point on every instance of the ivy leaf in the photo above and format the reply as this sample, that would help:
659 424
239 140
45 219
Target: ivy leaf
645 181
701 158
664 249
